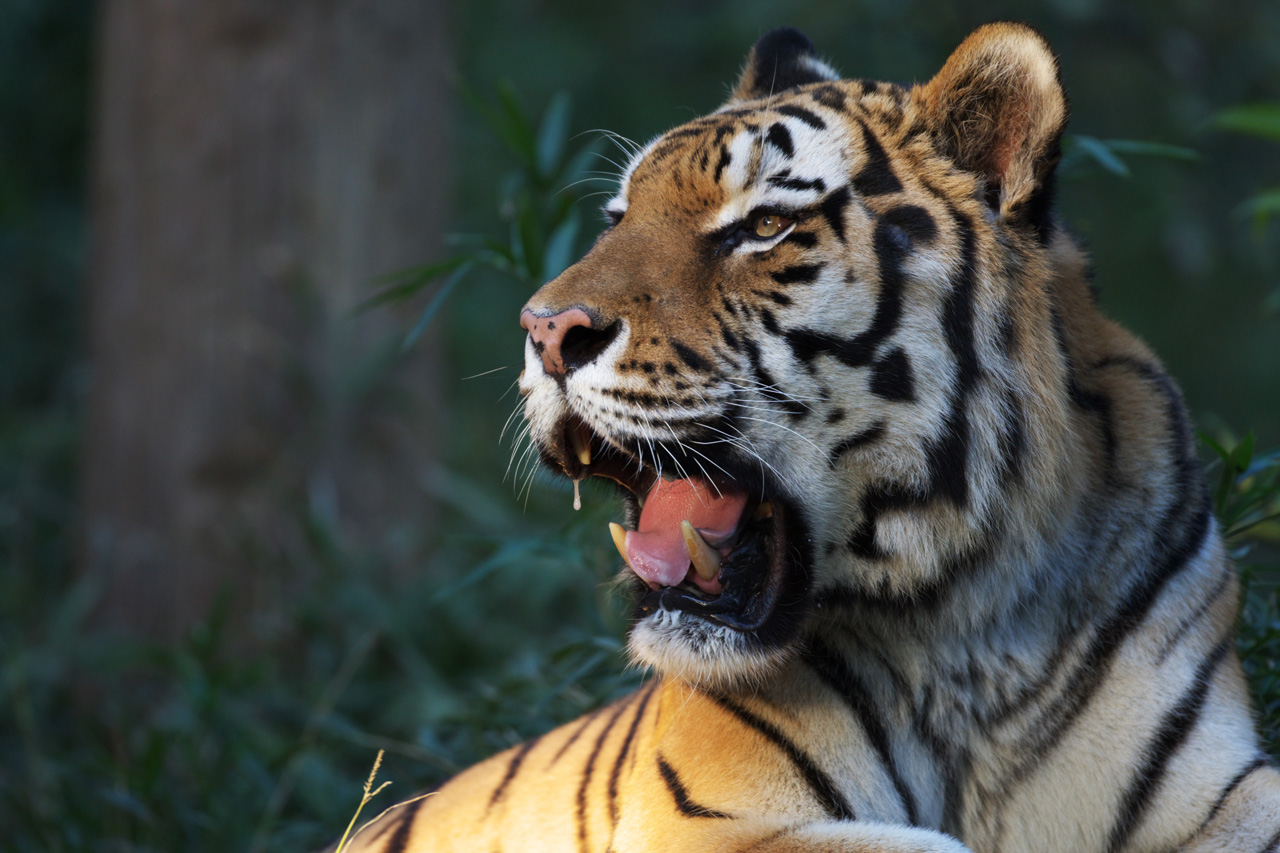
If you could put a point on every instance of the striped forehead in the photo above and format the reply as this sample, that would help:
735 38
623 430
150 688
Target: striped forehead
786 154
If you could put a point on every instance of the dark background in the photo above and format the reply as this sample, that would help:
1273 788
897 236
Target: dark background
247 537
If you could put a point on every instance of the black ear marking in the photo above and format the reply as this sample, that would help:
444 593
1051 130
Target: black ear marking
782 59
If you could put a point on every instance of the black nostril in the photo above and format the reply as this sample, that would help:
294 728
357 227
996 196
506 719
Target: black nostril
582 345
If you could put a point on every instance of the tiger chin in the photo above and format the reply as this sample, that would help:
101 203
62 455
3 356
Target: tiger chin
921 554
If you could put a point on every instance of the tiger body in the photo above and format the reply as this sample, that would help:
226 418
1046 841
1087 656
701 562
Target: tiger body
972 596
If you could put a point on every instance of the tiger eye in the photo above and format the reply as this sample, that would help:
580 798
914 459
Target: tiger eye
770 224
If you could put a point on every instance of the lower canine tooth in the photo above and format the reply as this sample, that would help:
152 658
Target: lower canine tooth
706 560
619 540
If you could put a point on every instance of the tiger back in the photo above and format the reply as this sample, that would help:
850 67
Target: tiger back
921 554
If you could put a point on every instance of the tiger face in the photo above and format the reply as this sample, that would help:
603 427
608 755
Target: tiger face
814 350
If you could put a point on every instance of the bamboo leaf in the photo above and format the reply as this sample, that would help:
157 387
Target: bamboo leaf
1100 153
1261 207
560 247
552 134
520 133
409 281
1260 120
1141 148
529 235
433 307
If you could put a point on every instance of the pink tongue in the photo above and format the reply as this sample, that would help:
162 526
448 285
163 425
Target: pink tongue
656 550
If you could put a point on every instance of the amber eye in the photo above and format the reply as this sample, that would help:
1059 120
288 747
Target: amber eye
770 224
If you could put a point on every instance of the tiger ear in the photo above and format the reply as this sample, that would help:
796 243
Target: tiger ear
998 109
781 59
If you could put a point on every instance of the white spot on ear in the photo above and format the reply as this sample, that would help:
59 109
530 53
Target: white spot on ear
819 68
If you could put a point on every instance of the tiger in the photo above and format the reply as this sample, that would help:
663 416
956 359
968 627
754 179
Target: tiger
921 554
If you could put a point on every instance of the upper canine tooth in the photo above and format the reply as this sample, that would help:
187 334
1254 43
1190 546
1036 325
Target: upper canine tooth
764 510
581 440
706 560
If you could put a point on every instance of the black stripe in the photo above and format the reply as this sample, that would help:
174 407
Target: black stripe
513 767
1189 513
770 322
400 841
780 137
1007 333
1273 844
830 97
816 184
622 754
684 805
891 377
876 176
664 150
807 116
858 351
797 274
822 786
1171 734
869 435
803 239
588 772
689 357
730 339
681 132
1013 439
917 222
766 385
832 208
722 162
1093 402
949 456
1257 764
951 761
1095 665
1025 697
573 738
1171 641
895 233
833 670
876 500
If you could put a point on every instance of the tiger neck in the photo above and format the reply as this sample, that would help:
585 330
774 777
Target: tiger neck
1111 505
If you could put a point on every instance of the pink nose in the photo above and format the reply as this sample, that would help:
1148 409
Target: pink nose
548 334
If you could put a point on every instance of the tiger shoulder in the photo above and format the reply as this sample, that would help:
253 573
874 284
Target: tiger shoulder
921 554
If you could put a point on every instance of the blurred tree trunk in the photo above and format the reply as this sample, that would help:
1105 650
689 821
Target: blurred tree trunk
255 165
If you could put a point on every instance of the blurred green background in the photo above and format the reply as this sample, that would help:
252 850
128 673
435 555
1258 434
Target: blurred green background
481 617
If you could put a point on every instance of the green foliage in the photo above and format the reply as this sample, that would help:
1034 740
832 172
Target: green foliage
112 744
1081 154
1261 121
1247 502
537 204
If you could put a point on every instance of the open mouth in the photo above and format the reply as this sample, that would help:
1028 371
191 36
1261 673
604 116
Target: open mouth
716 548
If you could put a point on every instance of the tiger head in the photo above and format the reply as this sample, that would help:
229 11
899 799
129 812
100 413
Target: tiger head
815 350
